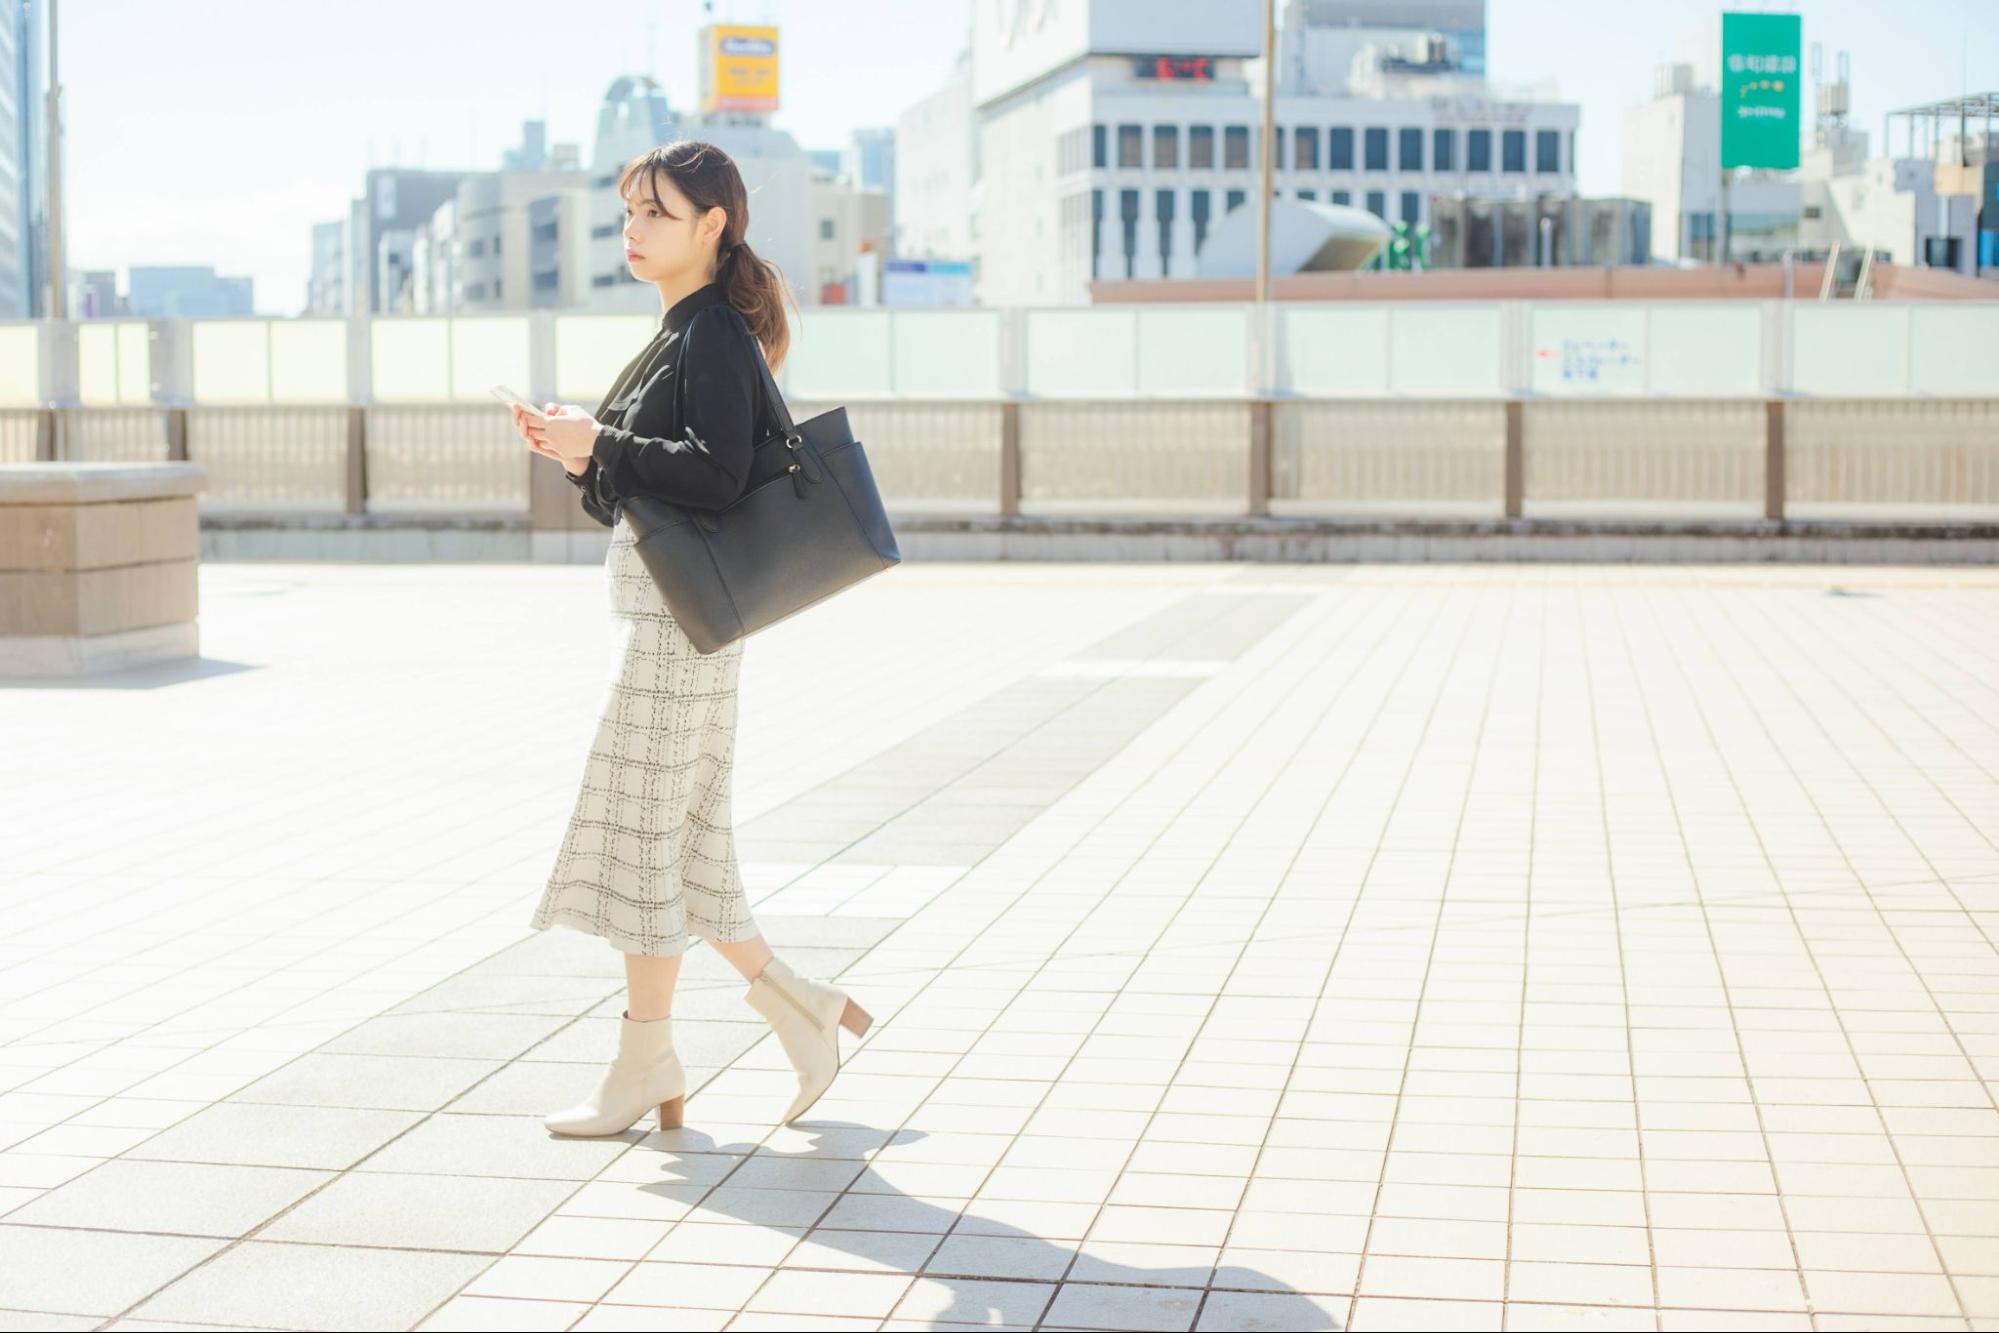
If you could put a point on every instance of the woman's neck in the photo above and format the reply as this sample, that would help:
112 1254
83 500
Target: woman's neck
674 290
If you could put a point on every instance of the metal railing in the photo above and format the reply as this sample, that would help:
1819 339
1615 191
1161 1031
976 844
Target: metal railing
1496 409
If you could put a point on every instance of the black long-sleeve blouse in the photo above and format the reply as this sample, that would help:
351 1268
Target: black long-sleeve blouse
645 448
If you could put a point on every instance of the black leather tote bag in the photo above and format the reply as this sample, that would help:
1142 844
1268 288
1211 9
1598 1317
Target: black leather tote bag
809 523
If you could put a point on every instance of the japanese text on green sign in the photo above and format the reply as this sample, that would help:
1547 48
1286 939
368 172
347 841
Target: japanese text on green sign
1759 90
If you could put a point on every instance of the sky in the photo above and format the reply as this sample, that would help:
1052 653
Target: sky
218 133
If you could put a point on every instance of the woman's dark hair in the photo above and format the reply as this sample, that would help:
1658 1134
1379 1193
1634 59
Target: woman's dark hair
707 176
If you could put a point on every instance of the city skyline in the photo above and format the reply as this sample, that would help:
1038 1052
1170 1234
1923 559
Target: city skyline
233 173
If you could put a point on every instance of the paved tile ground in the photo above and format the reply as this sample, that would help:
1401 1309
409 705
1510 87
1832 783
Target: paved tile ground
1251 947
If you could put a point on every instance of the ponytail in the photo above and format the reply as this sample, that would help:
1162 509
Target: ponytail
753 286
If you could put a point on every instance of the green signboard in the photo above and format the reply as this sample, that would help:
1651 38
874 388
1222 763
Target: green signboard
1759 90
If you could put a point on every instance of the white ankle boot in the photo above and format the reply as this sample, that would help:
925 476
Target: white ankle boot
807 1016
645 1073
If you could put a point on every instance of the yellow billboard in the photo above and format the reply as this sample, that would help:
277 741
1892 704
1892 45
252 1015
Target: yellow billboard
738 68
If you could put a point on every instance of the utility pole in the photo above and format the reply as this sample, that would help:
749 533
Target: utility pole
58 289
1267 151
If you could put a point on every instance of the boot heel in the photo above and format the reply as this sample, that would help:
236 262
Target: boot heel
855 1019
670 1113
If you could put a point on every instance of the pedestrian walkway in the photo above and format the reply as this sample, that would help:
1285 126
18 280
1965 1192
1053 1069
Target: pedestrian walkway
1251 947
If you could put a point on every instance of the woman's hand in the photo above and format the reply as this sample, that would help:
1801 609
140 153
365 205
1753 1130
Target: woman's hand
525 427
567 435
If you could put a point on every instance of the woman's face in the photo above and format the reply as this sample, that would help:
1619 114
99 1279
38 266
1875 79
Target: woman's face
666 236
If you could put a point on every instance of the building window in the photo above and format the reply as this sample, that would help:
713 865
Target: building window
1166 145
1377 149
1339 148
1548 152
1128 214
1444 150
825 229
1478 150
1409 150
1201 146
608 229
1572 157
1513 150
1096 228
1305 148
1277 163
1197 208
1308 194
1097 146
1377 204
496 250
1342 197
1130 146
1072 151
1412 207
1233 200
475 248
545 231
547 280
1235 147
1162 212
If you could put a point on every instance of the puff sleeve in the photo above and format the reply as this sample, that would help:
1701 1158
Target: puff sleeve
706 463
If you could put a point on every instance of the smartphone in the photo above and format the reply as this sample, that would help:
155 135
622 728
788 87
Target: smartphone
506 395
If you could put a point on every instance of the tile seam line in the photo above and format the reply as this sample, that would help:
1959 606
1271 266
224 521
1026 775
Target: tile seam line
1746 700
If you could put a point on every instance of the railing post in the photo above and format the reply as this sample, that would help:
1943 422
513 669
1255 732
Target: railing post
59 384
1009 470
1515 466
357 460
1773 460
1012 389
169 351
360 395
1261 444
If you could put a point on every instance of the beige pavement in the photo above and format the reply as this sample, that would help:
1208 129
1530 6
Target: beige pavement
1251 947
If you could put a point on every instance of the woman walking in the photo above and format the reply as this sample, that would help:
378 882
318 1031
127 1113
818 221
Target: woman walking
649 855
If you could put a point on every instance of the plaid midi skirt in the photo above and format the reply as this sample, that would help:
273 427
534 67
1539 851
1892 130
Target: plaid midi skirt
649 855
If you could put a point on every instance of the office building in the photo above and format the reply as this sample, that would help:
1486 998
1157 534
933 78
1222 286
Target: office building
1114 135
326 286
849 222
24 145
870 159
362 265
93 294
500 243
186 291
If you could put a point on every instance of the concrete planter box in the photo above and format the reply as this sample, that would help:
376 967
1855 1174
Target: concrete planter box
98 566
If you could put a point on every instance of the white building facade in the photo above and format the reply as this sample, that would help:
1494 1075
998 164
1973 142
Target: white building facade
1672 160
477 252
849 221
937 170
1113 134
